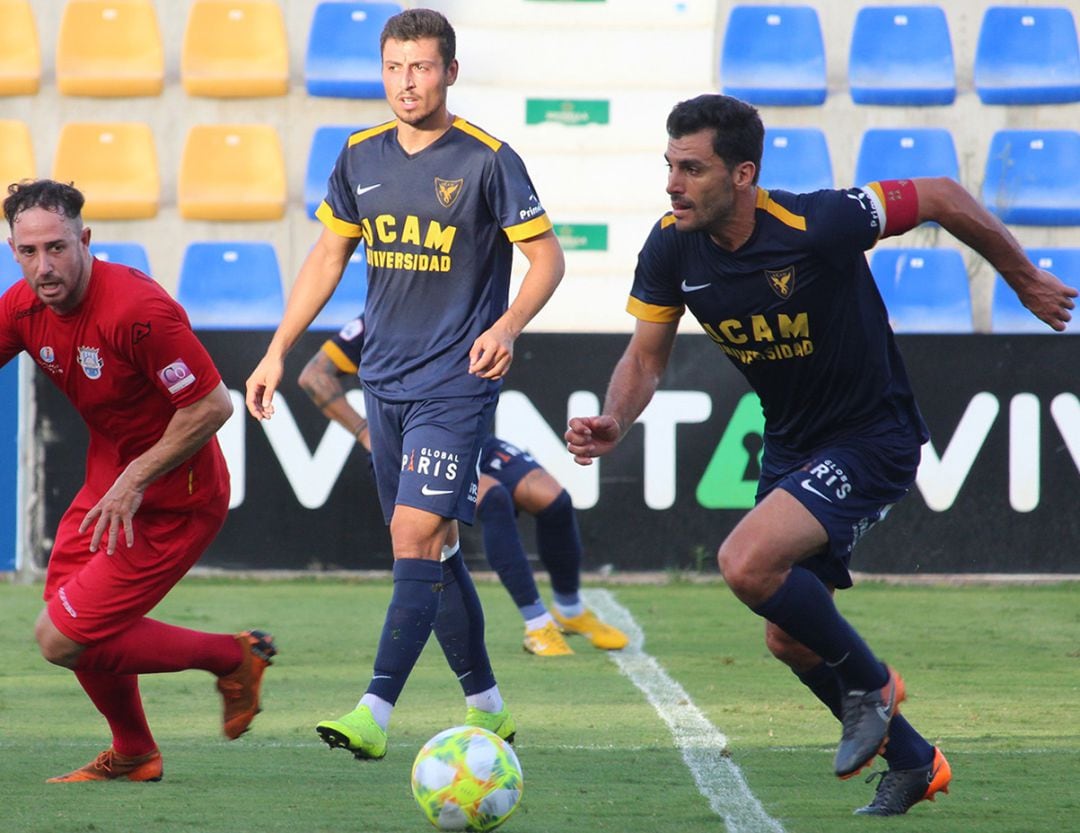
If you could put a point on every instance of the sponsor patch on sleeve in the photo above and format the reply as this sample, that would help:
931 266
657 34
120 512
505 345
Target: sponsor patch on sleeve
176 376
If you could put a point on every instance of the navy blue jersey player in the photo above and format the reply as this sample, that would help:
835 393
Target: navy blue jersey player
439 205
780 283
510 480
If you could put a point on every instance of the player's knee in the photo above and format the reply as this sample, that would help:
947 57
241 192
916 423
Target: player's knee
496 502
741 568
54 646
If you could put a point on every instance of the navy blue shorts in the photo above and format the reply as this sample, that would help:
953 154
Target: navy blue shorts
849 486
426 454
506 463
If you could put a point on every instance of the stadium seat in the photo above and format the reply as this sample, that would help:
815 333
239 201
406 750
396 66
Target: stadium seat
16 152
232 172
326 143
349 298
796 159
1027 55
1033 177
20 49
343 58
924 290
904 153
235 48
114 164
774 55
110 48
130 254
901 56
1008 315
10 271
231 285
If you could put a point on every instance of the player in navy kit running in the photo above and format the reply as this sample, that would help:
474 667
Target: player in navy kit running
780 282
439 205
510 480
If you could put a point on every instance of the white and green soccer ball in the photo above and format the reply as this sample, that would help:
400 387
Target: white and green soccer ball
467 778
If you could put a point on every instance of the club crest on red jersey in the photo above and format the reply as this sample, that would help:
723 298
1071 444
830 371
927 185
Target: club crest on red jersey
90 361
781 281
447 190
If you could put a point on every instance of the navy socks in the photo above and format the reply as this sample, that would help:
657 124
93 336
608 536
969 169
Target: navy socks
409 620
559 544
459 627
504 551
804 609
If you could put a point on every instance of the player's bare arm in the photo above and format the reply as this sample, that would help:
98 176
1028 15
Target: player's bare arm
315 283
633 383
493 352
188 431
946 202
321 381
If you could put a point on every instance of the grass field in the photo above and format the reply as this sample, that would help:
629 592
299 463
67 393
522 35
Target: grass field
993 677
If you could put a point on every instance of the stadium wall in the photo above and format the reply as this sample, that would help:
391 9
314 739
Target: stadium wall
994 494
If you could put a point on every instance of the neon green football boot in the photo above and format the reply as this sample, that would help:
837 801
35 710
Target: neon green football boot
500 722
356 731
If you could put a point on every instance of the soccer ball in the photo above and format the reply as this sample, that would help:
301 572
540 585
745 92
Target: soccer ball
467 778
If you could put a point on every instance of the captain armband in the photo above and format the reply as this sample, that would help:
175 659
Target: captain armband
898 204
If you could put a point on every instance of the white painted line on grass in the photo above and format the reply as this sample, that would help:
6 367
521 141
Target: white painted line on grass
702 745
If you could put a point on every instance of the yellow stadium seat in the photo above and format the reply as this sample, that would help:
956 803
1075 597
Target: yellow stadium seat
235 48
110 48
232 172
16 153
20 50
114 165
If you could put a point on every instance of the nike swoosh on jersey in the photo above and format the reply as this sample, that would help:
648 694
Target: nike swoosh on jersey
363 189
688 288
429 492
806 485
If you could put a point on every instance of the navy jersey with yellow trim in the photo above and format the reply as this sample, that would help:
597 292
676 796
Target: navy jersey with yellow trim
439 228
795 308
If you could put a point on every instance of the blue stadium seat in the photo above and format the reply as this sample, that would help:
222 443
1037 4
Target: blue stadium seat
796 159
1033 177
905 153
1008 315
902 56
326 144
1027 55
231 286
349 298
925 290
10 271
343 58
774 55
131 254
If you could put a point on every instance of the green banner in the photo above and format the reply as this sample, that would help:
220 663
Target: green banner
568 111
583 237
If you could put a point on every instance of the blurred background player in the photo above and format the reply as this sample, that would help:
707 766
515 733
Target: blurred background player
156 490
510 480
440 205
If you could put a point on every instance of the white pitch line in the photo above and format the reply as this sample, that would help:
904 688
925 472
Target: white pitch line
702 745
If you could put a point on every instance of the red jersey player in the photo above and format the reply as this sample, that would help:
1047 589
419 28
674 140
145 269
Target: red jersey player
156 490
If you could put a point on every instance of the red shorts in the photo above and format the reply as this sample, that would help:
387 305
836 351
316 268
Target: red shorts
92 596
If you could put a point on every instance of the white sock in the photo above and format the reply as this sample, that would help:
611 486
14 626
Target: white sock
486 701
380 709
538 622
570 611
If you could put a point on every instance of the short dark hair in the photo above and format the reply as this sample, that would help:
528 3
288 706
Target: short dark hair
738 134
63 198
415 24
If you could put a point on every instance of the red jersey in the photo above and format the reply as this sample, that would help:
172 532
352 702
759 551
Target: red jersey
127 359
